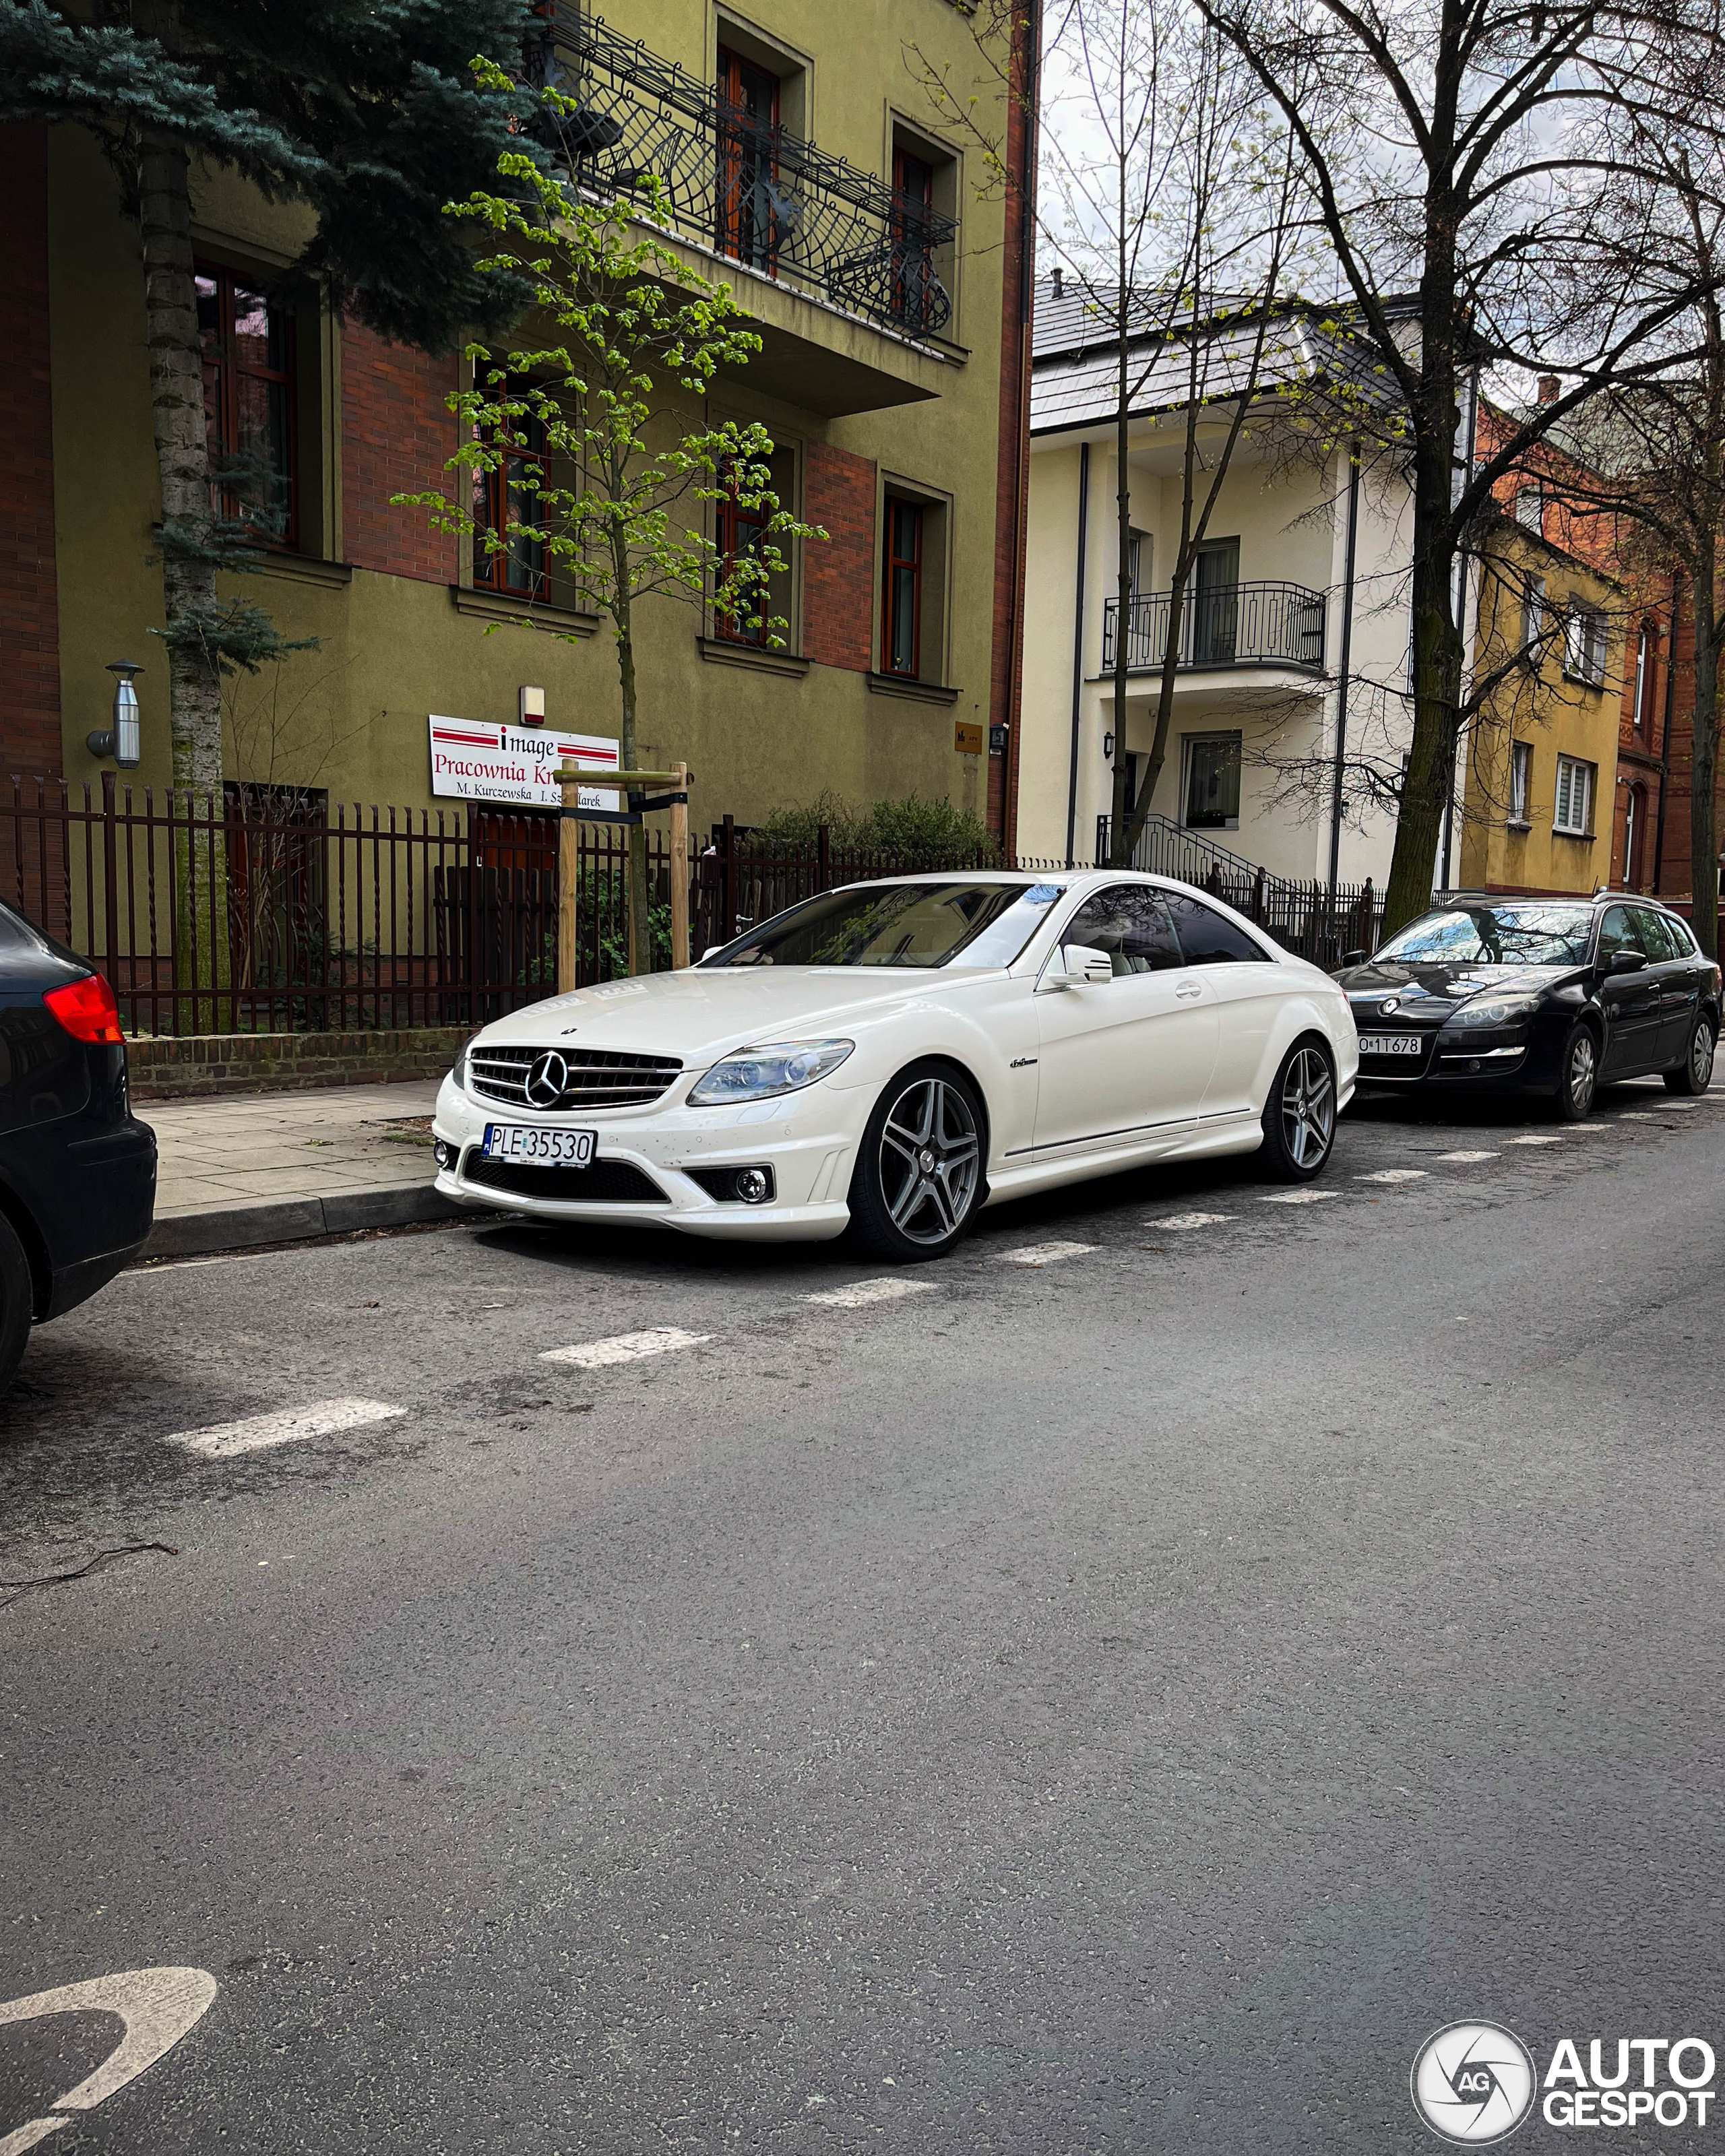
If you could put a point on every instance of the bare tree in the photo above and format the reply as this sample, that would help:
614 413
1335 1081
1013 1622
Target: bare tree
1468 162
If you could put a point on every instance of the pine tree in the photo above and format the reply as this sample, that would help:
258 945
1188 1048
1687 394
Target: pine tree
370 112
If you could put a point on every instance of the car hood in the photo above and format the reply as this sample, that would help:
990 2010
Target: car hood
700 1015
1422 988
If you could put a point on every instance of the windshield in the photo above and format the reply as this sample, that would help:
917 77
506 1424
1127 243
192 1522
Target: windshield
899 924
1497 935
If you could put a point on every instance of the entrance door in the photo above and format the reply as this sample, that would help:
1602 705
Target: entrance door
1125 1061
1215 603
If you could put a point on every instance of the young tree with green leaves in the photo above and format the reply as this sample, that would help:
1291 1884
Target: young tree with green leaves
615 477
366 111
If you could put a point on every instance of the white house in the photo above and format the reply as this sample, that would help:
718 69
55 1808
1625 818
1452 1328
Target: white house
1296 625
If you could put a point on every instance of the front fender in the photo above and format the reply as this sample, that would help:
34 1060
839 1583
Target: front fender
991 1036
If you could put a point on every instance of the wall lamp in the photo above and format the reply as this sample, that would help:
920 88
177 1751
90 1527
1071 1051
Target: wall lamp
123 740
1107 748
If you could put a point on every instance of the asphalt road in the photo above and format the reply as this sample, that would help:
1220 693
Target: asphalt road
1123 1703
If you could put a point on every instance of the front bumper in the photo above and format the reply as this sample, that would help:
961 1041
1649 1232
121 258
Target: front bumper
807 1139
1491 1064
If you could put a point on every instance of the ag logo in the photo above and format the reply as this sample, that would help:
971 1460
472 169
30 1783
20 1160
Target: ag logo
1473 2082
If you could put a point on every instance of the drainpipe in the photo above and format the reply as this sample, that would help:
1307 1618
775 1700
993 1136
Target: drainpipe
1345 660
1078 646
1664 738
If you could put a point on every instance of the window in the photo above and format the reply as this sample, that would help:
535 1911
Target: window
1140 556
914 283
901 590
740 534
1521 780
1617 932
1635 804
1575 797
1645 647
1214 603
1585 644
1130 921
247 338
1212 791
1529 509
1533 617
1657 940
506 561
752 213
1207 939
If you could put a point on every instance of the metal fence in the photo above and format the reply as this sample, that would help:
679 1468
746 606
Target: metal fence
1308 918
1259 624
732 179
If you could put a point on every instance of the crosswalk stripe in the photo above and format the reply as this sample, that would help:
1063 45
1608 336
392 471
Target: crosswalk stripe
1537 1137
856 1294
1045 1254
1190 1220
222 1440
625 1347
1468 1156
1295 1197
1394 1175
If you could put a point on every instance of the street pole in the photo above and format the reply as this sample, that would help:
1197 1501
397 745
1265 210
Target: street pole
680 866
568 883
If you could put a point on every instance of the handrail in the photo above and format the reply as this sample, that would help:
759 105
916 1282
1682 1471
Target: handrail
1261 624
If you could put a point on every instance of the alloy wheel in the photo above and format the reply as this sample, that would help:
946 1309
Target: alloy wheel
1308 1108
1701 1056
930 1160
1584 1072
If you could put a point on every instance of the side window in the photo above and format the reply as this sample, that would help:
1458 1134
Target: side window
1682 935
1128 922
1617 932
1206 939
1657 940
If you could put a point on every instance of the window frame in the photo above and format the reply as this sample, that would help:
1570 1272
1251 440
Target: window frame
1565 823
738 137
1585 644
1534 607
225 370
488 570
1647 647
1521 785
1189 743
730 519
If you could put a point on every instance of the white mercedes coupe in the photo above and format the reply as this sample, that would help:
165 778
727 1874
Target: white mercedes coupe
892 1056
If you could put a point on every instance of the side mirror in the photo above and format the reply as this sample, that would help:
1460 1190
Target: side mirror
1625 962
1079 964
1353 958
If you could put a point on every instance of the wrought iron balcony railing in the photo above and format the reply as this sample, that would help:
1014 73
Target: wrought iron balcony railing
1261 624
739 185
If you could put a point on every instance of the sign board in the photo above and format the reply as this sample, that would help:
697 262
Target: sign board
996 740
474 760
967 739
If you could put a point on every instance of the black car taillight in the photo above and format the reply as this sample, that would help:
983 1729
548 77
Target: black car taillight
87 1010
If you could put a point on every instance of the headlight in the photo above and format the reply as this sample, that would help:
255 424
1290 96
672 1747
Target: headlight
1496 1011
756 1074
458 1074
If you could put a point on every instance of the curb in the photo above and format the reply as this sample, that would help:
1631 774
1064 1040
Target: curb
295 1219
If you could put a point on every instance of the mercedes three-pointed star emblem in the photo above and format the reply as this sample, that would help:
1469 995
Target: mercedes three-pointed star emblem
546 1079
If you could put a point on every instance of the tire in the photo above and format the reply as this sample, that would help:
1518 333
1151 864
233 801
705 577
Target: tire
1694 1075
1300 1115
18 1300
918 1179
1578 1074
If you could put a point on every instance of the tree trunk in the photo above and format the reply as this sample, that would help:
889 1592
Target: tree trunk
640 948
1118 856
1703 839
182 451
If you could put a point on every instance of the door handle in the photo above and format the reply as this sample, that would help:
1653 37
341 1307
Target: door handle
1190 988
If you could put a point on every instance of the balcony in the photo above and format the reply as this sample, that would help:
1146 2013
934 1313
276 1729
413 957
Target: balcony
1228 625
816 227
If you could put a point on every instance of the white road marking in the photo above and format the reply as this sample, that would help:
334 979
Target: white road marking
222 1439
1394 1175
1537 1137
1190 1220
887 1288
1467 1156
158 2007
1297 1197
1637 1116
1045 1254
626 1347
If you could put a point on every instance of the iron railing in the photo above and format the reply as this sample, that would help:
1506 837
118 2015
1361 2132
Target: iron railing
1259 624
1304 917
737 183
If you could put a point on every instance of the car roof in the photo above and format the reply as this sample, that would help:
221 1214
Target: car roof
1446 898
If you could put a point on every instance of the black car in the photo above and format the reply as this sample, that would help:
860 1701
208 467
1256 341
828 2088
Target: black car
1554 996
77 1173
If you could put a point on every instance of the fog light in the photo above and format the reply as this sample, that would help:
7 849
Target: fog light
754 1185
444 1155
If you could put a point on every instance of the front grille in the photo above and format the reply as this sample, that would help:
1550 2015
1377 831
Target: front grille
606 1183
597 1077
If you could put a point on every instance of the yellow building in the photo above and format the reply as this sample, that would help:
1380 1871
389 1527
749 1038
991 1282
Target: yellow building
1540 764
883 271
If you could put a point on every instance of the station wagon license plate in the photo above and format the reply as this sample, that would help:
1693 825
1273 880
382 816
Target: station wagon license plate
524 1142
1390 1043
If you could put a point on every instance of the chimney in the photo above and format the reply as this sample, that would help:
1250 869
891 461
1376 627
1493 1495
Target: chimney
1549 386
1059 287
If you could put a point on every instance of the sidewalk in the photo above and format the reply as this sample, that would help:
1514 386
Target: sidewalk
272 1168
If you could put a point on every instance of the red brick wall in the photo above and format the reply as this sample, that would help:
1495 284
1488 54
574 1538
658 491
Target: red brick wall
396 432
29 609
838 573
